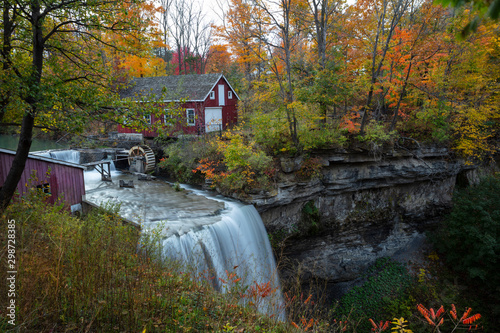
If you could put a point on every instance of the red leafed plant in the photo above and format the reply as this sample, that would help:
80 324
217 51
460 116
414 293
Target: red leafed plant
436 319
305 324
348 122
380 327
466 321
431 316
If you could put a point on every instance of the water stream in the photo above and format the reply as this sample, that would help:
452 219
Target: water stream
212 234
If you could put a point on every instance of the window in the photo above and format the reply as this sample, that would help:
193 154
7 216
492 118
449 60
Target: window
229 94
212 95
125 117
222 95
190 117
45 188
167 117
147 117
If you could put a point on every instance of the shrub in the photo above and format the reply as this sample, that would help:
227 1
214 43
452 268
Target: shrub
383 295
270 132
241 166
322 138
310 169
183 157
377 134
470 236
310 219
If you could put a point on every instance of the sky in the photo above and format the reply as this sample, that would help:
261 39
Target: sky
212 9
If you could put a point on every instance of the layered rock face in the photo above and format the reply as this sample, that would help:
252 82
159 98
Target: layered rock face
362 207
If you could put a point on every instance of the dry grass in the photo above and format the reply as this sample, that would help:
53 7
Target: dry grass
87 275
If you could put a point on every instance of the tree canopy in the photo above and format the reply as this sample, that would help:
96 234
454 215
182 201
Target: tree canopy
59 65
310 73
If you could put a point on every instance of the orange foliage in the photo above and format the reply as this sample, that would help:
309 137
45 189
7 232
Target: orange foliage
380 327
434 318
348 122
219 59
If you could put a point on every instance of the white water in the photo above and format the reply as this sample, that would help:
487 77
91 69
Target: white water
71 156
238 244
194 230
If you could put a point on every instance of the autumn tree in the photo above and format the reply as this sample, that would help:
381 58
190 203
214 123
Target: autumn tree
482 9
377 21
280 42
242 22
219 60
55 68
416 42
322 14
164 10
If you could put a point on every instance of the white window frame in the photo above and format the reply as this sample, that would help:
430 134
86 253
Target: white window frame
229 94
212 94
167 115
189 123
147 118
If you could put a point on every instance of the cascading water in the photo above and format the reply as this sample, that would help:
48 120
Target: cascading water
237 244
71 156
213 235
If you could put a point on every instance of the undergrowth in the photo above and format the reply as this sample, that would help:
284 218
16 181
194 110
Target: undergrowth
89 275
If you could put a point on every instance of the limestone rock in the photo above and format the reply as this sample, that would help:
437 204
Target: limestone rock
370 206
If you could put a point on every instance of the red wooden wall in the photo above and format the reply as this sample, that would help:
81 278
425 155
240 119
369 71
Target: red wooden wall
66 182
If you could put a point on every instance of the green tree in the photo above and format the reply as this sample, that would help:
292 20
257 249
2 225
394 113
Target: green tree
56 66
470 236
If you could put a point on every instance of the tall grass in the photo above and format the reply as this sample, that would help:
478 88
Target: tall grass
91 275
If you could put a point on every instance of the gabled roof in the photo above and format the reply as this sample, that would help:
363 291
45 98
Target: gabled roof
192 87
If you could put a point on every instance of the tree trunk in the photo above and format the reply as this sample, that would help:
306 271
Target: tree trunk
17 168
403 92
28 123
8 29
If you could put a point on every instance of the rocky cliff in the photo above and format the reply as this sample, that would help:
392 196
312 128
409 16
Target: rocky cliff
361 207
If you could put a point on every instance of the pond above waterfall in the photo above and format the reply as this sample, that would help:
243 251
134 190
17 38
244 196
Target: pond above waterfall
152 202
8 141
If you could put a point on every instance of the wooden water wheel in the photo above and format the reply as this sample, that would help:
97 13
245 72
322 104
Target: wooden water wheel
143 153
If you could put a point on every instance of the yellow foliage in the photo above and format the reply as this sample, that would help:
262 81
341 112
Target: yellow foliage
473 128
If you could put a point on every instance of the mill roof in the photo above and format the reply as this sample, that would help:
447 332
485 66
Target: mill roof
192 87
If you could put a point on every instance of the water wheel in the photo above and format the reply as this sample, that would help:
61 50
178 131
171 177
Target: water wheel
145 154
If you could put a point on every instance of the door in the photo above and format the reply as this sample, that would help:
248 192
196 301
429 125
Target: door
222 95
213 119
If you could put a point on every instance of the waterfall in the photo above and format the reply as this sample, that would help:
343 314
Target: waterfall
66 155
238 244
215 238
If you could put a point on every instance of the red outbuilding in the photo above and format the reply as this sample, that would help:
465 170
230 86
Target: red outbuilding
61 180
210 102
